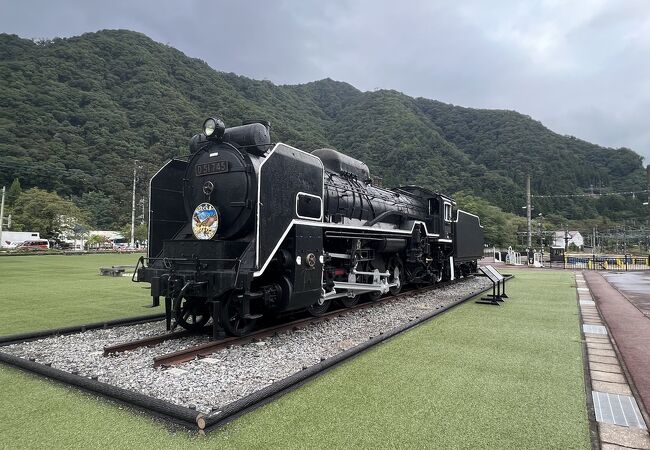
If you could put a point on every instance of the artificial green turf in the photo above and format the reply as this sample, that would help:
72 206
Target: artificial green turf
476 377
51 291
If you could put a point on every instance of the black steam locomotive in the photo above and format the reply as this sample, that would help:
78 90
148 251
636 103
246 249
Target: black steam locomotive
243 228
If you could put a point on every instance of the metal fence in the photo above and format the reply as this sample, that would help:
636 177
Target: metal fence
603 262
571 261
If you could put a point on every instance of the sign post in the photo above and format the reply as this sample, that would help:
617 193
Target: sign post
498 292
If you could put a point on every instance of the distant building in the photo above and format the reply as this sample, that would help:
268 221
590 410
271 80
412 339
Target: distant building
109 235
575 238
11 239
112 239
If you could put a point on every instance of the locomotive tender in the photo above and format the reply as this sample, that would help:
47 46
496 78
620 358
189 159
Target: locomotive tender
243 228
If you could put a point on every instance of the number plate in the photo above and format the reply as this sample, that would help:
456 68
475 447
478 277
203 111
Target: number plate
211 167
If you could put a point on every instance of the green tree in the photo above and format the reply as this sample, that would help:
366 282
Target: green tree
14 192
141 232
499 227
104 211
96 240
47 213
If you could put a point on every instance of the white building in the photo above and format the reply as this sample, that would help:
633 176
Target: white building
111 238
11 239
575 238
108 235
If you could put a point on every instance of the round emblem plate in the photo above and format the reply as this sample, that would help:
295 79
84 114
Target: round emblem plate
205 221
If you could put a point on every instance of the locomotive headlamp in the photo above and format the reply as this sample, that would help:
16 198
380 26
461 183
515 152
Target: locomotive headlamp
209 126
213 128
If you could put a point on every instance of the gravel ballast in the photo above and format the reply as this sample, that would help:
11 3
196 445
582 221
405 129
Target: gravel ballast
230 374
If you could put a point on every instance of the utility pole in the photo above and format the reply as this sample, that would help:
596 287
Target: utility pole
528 211
135 168
648 174
566 237
2 214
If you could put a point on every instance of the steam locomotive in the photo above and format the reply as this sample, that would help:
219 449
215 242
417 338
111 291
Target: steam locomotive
243 228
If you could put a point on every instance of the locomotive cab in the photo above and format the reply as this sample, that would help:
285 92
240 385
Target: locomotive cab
439 210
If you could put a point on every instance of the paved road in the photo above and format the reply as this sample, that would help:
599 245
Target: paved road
629 326
635 286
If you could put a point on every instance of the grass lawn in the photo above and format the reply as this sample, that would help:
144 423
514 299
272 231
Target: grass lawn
476 377
51 291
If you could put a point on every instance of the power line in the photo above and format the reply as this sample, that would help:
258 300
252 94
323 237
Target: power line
603 194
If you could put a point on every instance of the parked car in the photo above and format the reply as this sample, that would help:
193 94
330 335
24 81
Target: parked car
33 245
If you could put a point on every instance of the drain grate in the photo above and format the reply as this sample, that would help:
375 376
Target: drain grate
594 329
617 409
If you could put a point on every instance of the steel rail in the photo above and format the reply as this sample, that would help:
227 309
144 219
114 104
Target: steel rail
159 339
145 342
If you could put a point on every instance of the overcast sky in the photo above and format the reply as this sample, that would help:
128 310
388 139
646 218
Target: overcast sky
582 68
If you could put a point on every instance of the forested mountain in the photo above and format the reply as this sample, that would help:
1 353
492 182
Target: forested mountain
75 113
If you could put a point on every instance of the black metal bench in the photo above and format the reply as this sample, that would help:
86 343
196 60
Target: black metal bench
114 271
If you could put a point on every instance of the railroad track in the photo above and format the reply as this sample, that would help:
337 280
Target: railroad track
208 348
190 417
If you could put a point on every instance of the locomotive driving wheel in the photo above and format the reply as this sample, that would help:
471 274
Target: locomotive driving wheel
232 319
349 302
193 314
318 308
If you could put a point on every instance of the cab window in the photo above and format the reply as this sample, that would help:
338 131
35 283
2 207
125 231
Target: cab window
447 212
433 207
